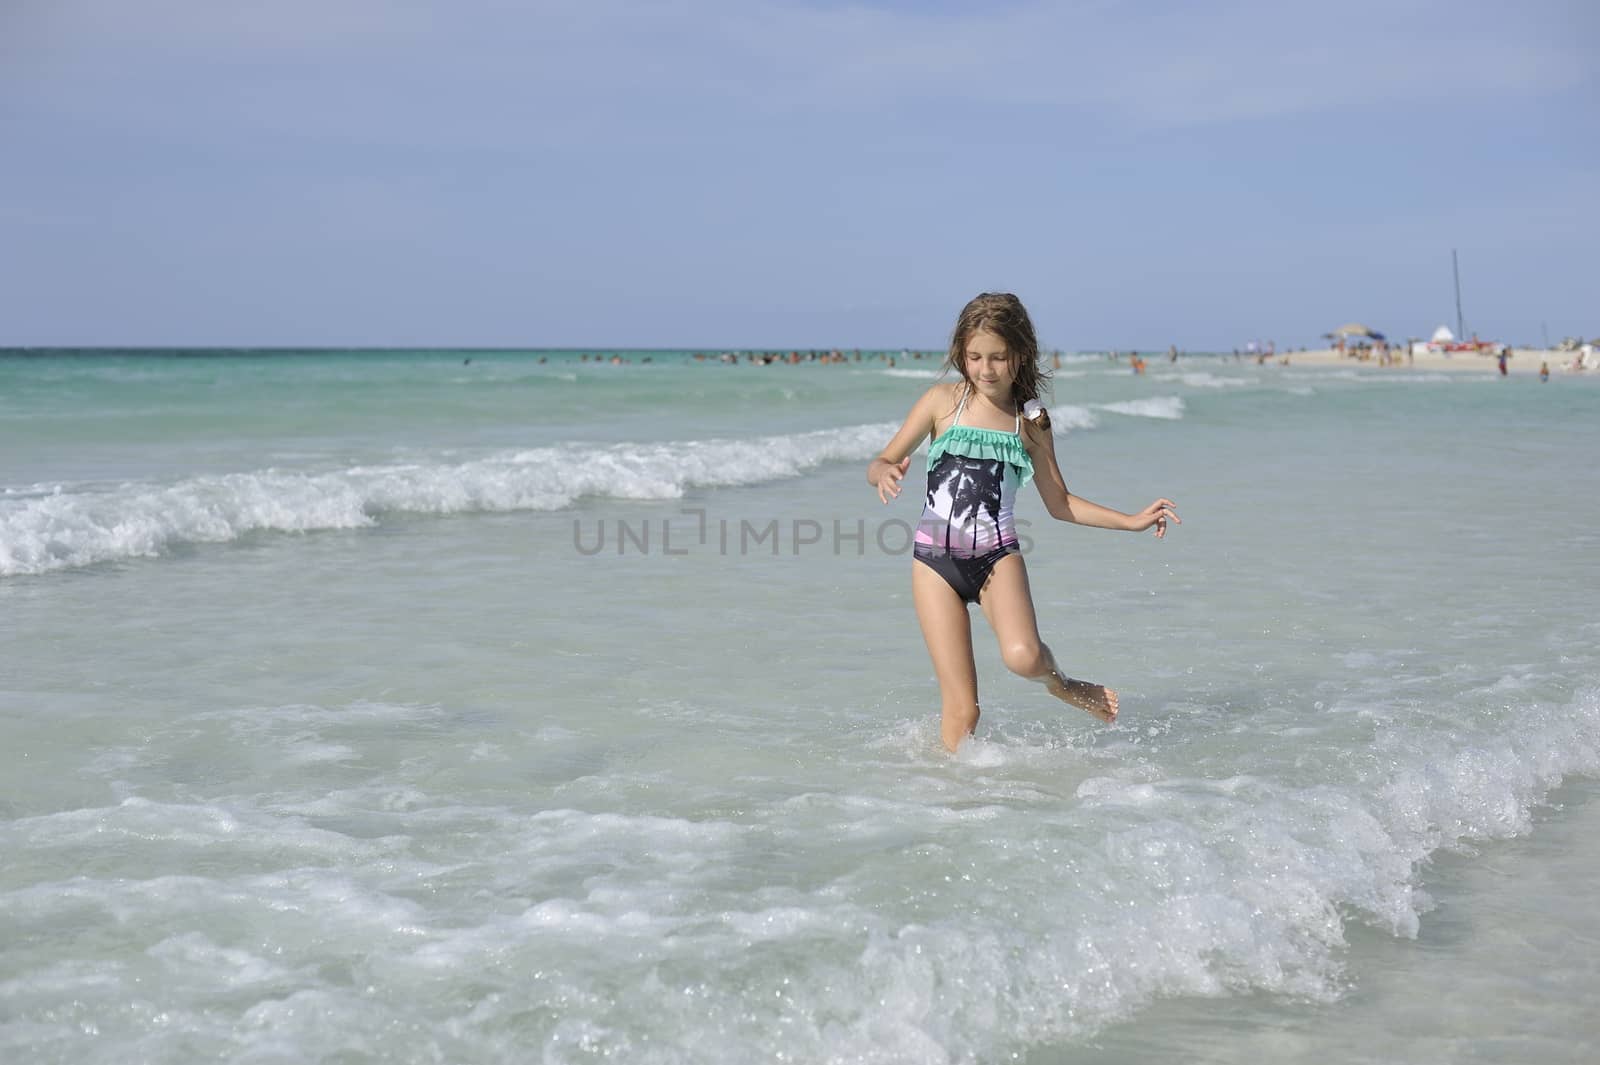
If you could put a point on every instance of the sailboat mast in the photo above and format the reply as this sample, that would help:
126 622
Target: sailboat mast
1455 268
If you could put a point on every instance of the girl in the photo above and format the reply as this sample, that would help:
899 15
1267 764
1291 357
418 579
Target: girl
990 435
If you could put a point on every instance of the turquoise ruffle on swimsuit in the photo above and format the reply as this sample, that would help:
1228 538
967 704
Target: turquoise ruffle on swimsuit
991 444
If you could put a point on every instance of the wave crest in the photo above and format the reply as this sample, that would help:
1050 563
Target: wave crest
63 529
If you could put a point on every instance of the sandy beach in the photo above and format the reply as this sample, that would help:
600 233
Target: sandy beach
1523 361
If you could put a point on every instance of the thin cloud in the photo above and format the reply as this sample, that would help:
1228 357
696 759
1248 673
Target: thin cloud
559 72
768 161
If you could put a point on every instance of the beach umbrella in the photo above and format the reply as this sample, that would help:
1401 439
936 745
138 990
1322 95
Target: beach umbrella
1356 329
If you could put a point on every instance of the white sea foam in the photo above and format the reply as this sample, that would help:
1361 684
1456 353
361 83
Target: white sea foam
1066 417
1203 379
182 826
72 527
1169 408
1150 884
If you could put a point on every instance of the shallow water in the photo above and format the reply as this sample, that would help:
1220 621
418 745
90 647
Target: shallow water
374 706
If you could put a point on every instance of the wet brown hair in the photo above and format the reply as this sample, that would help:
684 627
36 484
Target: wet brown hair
1002 314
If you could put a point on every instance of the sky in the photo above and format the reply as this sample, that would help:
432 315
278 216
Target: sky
774 173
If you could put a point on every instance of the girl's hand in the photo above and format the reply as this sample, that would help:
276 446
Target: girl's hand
889 479
1157 514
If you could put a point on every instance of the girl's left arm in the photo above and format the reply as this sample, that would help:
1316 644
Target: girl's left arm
1064 506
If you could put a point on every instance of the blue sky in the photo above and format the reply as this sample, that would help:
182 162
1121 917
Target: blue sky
731 173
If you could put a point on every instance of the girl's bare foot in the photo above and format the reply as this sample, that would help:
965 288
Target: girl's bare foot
1095 698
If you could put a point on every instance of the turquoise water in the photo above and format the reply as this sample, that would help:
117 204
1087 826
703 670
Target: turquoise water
378 706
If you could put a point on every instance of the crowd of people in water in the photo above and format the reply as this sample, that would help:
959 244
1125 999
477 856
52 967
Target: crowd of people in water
1381 353
1136 361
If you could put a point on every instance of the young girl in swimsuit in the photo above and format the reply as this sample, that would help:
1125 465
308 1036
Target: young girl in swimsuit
990 437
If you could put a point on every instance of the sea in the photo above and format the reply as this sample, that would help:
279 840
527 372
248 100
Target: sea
561 706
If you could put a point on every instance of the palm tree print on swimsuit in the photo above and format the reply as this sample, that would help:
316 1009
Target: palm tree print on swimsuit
968 490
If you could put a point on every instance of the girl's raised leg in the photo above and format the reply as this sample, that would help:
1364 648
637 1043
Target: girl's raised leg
947 629
1007 602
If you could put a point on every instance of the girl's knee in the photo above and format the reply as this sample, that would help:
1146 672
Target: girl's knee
1024 657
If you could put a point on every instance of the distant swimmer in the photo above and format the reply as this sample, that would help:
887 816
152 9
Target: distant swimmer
1544 372
990 436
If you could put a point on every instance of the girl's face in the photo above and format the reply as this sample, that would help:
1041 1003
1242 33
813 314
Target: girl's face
989 367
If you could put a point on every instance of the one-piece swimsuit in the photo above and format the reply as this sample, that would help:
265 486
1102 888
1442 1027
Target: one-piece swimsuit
967 526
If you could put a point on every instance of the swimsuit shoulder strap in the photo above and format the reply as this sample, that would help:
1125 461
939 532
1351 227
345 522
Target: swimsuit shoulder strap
965 390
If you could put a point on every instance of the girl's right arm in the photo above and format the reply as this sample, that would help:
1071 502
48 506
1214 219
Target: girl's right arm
885 471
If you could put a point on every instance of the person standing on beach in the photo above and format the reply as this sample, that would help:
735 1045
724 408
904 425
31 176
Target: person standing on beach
1503 362
990 435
